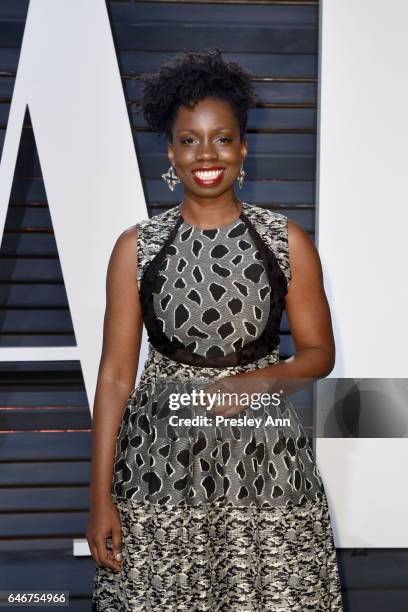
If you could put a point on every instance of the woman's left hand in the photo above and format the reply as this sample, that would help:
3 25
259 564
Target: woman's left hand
238 390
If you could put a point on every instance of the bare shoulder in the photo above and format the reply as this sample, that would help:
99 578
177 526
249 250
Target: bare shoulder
303 253
299 240
298 237
124 250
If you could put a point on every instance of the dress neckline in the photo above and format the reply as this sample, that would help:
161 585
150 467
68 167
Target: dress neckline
226 226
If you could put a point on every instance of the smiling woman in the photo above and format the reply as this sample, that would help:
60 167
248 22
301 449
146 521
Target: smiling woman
213 519
208 154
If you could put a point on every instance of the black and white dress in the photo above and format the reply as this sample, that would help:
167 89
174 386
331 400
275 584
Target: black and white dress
217 518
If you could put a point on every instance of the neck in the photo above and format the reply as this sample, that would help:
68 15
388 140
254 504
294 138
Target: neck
210 212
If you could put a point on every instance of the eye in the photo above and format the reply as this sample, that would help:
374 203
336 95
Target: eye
224 140
187 141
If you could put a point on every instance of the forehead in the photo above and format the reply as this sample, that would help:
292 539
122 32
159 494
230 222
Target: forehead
207 112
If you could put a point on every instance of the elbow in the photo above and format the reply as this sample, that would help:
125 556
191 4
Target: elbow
328 360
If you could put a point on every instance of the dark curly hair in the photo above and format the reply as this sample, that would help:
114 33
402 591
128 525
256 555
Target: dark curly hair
190 77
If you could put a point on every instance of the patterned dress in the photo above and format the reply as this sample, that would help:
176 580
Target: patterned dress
215 517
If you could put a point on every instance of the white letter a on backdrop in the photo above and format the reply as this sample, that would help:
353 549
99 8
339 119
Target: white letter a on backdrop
69 78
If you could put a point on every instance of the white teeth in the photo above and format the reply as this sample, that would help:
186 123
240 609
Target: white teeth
207 175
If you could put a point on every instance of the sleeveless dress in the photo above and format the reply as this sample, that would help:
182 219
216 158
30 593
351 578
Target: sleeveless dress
215 517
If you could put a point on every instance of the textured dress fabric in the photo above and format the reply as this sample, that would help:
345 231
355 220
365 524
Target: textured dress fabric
208 279
232 518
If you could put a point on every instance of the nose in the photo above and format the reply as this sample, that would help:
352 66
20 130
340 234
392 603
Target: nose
206 151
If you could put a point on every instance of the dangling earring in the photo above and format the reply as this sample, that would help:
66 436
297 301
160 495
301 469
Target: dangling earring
240 177
171 178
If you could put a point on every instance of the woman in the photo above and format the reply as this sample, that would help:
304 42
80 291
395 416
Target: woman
208 518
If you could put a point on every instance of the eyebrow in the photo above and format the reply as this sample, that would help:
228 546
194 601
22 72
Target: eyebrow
219 129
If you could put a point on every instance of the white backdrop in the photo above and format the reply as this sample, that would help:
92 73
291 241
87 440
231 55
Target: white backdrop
362 239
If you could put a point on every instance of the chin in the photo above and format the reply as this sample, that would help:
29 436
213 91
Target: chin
209 192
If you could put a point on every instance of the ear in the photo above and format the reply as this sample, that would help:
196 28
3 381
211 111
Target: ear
170 152
244 149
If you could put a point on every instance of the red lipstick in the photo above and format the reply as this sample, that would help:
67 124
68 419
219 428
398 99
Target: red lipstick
208 176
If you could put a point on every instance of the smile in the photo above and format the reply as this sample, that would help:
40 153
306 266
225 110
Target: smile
208 176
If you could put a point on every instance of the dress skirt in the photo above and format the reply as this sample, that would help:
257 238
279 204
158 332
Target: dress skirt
216 519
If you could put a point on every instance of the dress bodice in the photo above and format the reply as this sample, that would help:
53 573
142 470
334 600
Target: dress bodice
213 293
214 298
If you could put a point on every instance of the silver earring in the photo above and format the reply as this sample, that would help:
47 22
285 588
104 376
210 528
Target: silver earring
171 178
240 177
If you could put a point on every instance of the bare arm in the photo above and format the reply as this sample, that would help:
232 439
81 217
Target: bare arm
122 334
308 311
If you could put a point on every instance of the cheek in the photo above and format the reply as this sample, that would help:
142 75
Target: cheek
183 158
233 155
